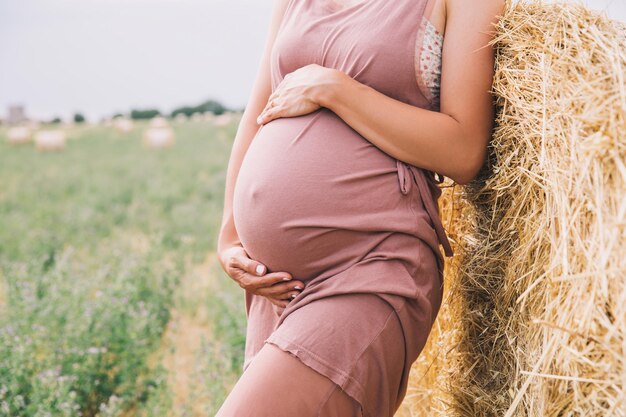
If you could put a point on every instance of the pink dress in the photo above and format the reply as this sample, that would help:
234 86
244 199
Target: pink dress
360 228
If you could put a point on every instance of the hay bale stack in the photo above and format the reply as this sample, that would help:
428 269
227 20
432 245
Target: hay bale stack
50 140
18 135
534 315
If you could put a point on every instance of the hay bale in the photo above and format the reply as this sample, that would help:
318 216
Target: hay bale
533 321
123 125
158 121
180 118
158 137
18 135
33 125
50 140
222 119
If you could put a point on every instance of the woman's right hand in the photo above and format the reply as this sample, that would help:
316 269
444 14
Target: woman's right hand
251 275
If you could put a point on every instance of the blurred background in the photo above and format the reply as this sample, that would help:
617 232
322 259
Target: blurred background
116 123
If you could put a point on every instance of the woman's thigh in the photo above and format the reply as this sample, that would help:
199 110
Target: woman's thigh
277 384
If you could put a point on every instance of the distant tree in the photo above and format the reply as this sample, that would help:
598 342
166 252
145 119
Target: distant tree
187 111
55 120
144 114
213 106
208 106
79 118
116 115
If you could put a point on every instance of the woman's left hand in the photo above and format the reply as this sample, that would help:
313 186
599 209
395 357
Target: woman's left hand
295 95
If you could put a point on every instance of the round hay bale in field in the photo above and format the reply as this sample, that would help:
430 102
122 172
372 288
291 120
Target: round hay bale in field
158 121
18 135
50 140
208 116
197 117
222 120
33 125
180 118
158 137
123 125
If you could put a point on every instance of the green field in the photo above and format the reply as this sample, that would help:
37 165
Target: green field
112 302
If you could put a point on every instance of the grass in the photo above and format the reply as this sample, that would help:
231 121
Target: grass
95 245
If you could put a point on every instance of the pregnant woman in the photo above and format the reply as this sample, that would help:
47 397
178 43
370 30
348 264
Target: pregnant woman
331 224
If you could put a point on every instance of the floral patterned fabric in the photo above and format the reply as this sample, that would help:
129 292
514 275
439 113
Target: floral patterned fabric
430 58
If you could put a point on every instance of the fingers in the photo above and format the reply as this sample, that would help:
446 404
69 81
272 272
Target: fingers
273 112
269 105
282 290
252 276
253 283
243 262
281 294
270 113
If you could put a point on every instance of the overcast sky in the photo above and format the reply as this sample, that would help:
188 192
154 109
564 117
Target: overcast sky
104 56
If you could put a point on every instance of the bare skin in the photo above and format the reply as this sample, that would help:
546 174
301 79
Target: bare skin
452 142
231 254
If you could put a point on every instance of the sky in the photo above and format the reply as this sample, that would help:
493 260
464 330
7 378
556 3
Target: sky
99 57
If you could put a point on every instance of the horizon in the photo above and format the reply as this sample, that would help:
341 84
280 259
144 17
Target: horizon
102 57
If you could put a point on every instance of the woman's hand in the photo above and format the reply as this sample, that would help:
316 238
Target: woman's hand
278 287
296 94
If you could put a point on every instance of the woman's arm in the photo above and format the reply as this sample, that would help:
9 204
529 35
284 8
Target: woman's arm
452 142
247 129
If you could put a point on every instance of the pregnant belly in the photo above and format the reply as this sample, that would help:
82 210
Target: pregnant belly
313 195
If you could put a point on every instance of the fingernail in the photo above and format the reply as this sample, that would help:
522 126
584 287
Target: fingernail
293 296
297 287
286 278
260 269
258 119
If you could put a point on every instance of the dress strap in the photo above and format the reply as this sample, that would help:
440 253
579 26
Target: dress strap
427 185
